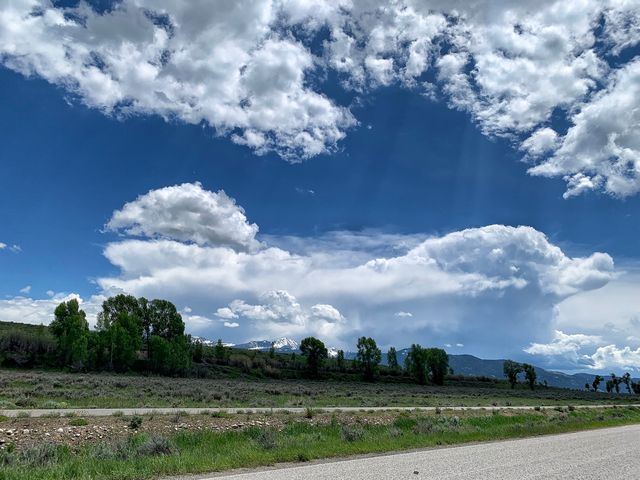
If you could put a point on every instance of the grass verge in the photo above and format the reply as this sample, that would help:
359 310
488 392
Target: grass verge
143 456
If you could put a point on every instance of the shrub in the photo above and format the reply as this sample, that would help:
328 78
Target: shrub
437 425
40 455
117 449
156 445
78 422
352 433
6 458
267 439
135 422
404 422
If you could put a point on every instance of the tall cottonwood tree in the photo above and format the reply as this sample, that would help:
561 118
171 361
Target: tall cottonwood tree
392 359
315 352
511 370
368 357
71 330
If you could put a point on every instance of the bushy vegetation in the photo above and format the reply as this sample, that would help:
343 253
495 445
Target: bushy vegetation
142 455
228 387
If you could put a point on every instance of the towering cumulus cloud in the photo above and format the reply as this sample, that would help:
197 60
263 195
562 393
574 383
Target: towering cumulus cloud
488 286
253 70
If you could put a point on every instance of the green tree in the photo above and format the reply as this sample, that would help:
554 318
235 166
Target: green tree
170 356
626 379
437 364
315 352
609 386
392 359
340 360
615 381
596 382
112 307
165 320
530 375
71 330
416 363
511 370
272 351
587 387
125 340
198 351
121 323
219 351
368 357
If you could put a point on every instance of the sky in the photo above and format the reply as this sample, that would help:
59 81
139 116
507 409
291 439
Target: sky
455 174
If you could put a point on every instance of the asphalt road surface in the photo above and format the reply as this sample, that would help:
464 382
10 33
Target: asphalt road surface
105 412
596 454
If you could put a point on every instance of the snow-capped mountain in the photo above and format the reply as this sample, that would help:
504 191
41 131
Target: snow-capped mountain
332 352
281 345
209 343
286 343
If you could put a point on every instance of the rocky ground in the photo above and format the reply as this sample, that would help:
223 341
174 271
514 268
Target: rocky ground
25 432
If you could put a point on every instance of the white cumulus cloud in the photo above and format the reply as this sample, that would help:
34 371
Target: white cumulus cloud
341 284
253 70
186 212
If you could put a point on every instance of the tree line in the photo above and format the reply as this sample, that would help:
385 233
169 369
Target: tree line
425 365
131 334
512 369
136 334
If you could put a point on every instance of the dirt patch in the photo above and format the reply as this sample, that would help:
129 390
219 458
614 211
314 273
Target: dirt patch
23 433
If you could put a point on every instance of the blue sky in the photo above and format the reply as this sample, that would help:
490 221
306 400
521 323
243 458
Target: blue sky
378 161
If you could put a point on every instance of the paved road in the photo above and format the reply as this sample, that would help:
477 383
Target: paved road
590 455
105 412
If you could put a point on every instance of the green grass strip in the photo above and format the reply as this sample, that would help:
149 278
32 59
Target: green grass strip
141 456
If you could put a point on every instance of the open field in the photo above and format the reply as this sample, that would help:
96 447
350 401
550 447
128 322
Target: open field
122 447
40 389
